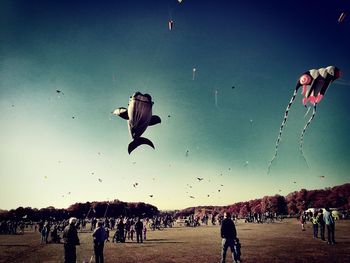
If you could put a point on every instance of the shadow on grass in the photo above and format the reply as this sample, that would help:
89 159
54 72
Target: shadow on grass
155 241
13 245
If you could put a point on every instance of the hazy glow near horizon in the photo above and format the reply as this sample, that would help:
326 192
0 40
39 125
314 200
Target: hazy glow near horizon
220 125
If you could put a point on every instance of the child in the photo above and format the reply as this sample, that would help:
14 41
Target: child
302 221
237 251
43 234
314 221
144 232
132 232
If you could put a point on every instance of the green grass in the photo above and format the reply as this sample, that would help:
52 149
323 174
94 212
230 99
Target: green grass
278 242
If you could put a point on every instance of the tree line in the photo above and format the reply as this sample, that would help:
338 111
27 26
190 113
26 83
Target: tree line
114 208
292 204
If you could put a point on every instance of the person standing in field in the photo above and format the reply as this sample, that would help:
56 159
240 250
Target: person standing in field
322 224
43 234
139 228
144 232
99 236
70 240
314 221
302 221
229 235
329 221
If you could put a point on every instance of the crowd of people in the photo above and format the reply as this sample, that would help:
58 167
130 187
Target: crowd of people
134 229
321 221
12 227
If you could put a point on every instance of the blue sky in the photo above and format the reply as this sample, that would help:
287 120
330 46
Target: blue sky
98 53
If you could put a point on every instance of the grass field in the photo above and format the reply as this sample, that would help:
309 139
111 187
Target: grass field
277 242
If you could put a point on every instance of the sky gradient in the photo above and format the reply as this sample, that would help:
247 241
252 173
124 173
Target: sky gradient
55 146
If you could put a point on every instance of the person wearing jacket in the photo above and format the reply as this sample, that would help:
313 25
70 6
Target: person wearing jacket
70 240
99 236
229 235
330 225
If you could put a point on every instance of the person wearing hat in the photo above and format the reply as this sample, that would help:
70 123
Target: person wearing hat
70 240
100 237
228 235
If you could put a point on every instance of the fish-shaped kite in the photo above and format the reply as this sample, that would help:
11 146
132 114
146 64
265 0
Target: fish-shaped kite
314 83
139 117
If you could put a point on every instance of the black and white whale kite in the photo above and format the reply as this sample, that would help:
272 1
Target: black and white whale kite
315 83
139 117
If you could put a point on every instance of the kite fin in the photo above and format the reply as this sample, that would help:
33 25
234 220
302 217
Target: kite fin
137 142
122 113
154 120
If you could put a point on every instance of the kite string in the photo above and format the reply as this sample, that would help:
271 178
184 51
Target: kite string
281 128
303 133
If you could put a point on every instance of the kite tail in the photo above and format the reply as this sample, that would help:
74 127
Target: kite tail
281 128
303 132
137 142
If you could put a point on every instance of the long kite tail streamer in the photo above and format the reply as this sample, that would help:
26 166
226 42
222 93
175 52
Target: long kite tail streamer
281 128
303 133
308 109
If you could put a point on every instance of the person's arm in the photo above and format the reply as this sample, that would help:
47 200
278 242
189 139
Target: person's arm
222 230
234 231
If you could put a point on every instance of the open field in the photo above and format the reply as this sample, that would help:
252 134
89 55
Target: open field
277 242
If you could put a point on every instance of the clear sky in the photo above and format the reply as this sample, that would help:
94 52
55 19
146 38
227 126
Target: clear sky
56 146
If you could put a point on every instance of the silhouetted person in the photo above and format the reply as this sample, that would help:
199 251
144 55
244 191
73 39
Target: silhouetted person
139 228
322 224
70 240
100 237
229 235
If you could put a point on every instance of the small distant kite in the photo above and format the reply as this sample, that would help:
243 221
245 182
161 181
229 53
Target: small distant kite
219 190
187 152
191 196
246 163
199 179
171 24
341 17
150 196
100 180
45 177
322 176
315 83
139 117
135 184
216 97
208 195
193 73
233 87
59 91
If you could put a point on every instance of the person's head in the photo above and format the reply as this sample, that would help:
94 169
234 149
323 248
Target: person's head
321 211
72 221
327 209
227 215
100 223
